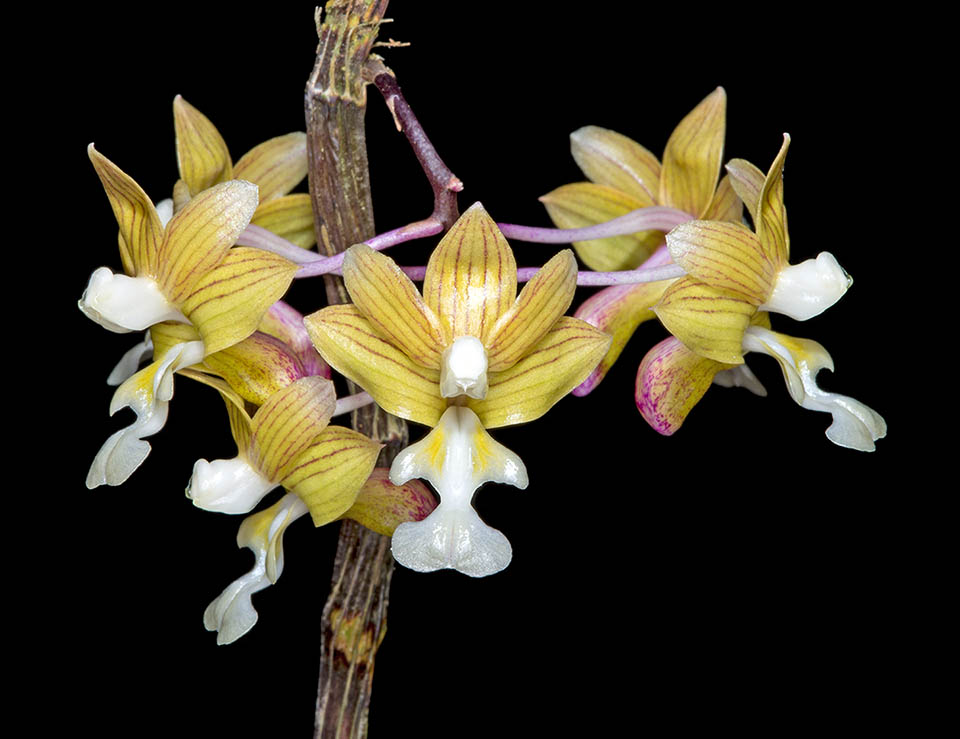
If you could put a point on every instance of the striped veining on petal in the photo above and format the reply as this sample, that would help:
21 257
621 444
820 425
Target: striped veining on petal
276 166
288 421
771 226
140 229
203 158
612 159
541 302
724 255
393 305
559 362
747 180
348 342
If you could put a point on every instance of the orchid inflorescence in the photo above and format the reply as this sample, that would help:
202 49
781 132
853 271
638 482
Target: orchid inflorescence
204 274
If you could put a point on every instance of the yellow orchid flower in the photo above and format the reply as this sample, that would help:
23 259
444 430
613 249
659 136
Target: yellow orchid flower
467 355
672 379
276 167
733 272
185 279
624 176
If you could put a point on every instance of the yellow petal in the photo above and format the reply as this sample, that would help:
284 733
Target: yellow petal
670 382
228 302
288 422
586 204
328 475
617 311
256 367
709 321
726 204
727 256
392 304
561 361
202 155
471 278
290 217
348 342
771 226
198 237
140 229
542 301
693 155
747 180
276 166
610 158
381 506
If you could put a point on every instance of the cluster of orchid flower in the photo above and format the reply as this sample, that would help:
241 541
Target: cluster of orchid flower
204 274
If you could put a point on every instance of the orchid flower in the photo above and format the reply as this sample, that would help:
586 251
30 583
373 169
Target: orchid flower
180 274
467 355
733 272
625 176
672 379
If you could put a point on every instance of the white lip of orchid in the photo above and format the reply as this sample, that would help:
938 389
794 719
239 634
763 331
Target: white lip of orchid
227 485
855 425
130 362
456 457
807 289
463 369
121 303
740 376
232 613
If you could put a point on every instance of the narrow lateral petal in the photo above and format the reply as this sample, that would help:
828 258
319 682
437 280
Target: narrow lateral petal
392 304
726 204
381 506
199 236
711 322
747 181
617 311
586 204
257 367
471 278
328 474
276 166
612 159
541 302
771 226
670 382
286 424
290 217
350 344
227 303
202 155
558 363
693 155
140 229
727 256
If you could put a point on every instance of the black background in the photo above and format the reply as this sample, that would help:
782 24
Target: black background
743 574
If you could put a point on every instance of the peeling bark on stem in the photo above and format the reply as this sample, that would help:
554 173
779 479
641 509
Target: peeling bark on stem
354 617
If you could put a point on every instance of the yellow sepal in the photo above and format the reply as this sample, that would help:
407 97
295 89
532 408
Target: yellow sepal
202 155
693 155
328 475
558 363
392 304
771 224
276 166
541 302
199 236
140 230
471 278
711 322
256 367
586 204
228 302
350 344
612 159
290 217
286 424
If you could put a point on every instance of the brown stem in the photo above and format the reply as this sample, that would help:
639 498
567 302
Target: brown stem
445 183
354 618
